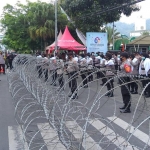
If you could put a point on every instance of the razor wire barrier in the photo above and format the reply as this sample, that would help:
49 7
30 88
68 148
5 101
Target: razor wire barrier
49 119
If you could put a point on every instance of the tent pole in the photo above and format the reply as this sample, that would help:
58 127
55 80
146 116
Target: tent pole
56 42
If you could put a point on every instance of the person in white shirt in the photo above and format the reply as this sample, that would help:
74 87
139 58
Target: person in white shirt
60 71
144 70
97 65
39 64
83 70
102 67
45 66
110 69
90 67
76 59
53 66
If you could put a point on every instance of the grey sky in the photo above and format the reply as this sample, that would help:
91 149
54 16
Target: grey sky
145 10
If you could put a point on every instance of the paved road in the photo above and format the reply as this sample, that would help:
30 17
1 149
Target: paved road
6 112
100 130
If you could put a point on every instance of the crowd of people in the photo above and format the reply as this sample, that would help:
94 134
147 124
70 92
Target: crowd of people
6 60
129 68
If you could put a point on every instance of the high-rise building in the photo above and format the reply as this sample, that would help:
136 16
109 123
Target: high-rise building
140 27
140 24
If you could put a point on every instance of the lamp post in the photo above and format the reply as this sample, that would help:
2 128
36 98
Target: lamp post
56 42
113 35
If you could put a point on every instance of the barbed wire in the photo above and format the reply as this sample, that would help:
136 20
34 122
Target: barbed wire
73 124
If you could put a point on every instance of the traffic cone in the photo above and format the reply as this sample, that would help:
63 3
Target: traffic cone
2 71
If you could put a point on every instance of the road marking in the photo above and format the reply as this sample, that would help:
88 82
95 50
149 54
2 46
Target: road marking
137 133
16 141
77 131
50 137
116 139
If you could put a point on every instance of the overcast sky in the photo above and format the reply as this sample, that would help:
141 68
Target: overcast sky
145 9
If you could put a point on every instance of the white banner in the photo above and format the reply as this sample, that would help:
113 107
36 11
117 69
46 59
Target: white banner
96 42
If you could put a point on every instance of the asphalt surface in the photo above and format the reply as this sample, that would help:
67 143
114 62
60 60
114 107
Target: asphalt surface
6 112
104 108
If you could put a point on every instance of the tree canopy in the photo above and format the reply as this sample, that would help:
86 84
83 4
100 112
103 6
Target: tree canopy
144 33
30 26
89 15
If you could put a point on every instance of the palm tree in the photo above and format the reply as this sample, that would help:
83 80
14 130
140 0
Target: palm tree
43 23
110 33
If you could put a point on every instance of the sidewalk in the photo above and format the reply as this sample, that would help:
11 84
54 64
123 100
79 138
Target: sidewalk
6 112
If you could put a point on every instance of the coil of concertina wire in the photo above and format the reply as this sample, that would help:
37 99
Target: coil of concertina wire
49 119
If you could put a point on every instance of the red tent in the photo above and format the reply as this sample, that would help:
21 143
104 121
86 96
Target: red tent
67 42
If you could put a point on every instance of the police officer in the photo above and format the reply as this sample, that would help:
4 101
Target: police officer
39 64
60 70
90 67
110 69
97 65
102 69
53 66
83 69
72 70
125 67
144 70
135 68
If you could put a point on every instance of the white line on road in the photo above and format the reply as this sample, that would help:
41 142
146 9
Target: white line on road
50 137
16 141
116 139
77 131
131 129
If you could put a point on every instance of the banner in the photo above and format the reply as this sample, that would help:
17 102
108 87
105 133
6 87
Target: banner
96 42
81 36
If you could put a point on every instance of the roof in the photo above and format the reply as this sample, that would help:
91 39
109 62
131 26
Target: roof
141 31
67 42
142 40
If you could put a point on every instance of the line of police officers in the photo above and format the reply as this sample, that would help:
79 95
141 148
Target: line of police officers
126 67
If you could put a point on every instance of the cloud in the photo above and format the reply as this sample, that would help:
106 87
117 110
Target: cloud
144 12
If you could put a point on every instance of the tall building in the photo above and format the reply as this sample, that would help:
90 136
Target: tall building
140 24
140 27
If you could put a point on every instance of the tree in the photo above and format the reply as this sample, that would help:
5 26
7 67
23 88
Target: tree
42 22
89 15
145 33
110 33
31 26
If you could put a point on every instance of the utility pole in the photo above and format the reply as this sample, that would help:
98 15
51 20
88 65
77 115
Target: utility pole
113 35
56 42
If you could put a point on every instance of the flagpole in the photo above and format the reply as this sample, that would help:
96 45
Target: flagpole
56 42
